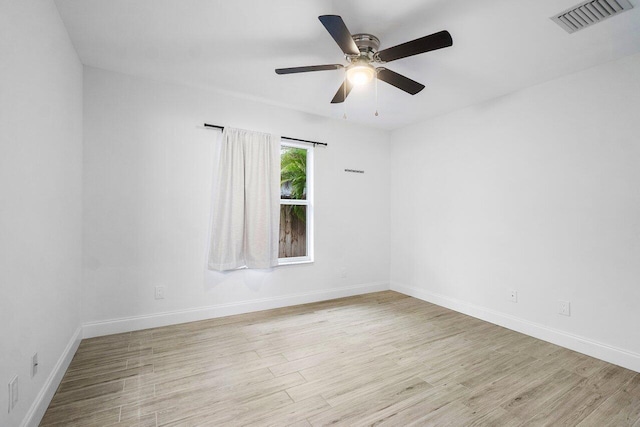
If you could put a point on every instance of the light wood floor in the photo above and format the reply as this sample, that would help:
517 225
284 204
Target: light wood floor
383 359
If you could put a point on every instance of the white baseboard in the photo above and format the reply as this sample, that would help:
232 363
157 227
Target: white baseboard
135 323
608 353
41 403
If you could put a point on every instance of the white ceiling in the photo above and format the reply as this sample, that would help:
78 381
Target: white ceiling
499 46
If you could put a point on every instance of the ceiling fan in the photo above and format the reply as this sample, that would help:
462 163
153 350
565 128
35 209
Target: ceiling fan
361 51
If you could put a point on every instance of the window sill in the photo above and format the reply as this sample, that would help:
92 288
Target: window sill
294 261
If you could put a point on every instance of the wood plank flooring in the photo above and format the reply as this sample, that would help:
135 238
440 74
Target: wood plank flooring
381 359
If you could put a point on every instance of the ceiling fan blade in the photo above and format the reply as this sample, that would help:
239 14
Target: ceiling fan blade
424 44
338 30
399 81
342 94
308 68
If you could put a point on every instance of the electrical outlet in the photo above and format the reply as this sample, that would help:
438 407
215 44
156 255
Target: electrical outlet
513 295
564 308
343 272
159 292
13 393
34 365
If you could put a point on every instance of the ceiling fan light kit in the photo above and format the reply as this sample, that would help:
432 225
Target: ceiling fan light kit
362 54
360 73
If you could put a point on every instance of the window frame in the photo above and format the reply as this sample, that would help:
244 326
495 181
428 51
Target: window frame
308 202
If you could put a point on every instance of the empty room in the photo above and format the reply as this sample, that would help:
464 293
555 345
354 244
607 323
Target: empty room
319 212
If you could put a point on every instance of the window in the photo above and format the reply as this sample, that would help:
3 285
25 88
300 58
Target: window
296 203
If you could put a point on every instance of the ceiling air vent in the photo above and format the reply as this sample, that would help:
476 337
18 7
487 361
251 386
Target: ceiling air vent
590 12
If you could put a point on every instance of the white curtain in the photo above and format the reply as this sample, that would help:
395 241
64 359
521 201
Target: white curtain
246 202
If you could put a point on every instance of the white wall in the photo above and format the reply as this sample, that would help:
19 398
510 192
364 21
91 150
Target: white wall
148 163
537 191
40 200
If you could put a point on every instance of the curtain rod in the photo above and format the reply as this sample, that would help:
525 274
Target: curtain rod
207 125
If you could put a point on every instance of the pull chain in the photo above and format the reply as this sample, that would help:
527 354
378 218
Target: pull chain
376 83
344 94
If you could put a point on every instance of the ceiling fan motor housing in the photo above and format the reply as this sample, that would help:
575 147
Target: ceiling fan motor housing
368 45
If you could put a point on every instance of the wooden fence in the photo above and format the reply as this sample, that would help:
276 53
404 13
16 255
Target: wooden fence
293 234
